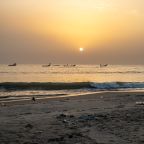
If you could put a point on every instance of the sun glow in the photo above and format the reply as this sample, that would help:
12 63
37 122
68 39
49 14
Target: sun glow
81 49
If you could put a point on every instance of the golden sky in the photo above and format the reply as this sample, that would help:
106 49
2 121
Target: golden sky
55 29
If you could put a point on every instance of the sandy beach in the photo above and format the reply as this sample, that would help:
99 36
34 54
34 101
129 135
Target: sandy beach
102 118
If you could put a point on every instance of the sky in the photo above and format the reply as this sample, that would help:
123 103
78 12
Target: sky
34 31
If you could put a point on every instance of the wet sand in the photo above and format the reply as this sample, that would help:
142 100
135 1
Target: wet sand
102 118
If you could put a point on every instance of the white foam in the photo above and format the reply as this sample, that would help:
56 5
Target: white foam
118 85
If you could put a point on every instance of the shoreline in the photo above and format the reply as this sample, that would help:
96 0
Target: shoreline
62 96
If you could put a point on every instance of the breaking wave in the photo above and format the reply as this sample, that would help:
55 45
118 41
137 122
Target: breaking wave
17 86
118 85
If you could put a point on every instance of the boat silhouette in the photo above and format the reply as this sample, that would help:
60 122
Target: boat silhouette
14 64
103 65
47 65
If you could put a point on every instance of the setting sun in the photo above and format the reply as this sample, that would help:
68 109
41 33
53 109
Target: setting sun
81 49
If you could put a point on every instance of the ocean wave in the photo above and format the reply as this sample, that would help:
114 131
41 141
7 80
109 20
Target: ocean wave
16 86
43 86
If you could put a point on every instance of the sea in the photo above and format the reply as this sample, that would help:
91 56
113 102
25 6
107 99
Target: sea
22 82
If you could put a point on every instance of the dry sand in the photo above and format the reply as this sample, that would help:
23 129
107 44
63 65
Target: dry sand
103 118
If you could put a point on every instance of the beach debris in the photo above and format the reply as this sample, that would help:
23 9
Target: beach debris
65 116
140 103
33 99
68 120
29 126
61 116
65 121
73 122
